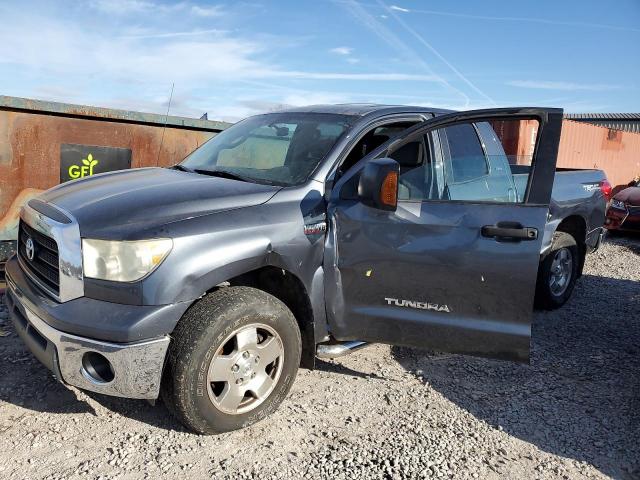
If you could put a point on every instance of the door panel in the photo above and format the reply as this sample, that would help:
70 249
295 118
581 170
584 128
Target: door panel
425 275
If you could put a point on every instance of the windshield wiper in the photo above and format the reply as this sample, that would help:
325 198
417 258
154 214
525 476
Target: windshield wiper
182 168
223 174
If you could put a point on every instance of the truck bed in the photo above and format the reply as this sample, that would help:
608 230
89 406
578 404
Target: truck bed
569 184
576 192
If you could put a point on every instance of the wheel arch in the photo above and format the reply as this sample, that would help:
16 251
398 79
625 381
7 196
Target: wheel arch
290 290
576 226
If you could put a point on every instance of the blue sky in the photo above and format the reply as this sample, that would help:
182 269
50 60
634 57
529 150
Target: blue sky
233 59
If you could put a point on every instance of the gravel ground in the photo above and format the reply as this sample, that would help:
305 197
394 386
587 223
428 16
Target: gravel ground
382 412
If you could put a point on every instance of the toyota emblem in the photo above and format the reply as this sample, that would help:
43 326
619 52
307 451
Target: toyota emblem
30 249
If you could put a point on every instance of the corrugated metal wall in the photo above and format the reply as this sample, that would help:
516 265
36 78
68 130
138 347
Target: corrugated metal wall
30 148
582 145
589 146
629 122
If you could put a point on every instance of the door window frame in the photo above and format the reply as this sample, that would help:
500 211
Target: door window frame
418 117
544 116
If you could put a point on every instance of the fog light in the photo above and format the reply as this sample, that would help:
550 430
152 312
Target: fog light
96 368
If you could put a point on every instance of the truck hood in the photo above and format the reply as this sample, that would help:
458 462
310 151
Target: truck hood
118 204
629 195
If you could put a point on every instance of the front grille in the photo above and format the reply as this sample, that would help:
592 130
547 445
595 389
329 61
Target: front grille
44 267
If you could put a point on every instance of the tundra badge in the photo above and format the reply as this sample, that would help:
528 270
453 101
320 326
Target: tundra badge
419 305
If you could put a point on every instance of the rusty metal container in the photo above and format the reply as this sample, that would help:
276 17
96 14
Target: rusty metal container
32 133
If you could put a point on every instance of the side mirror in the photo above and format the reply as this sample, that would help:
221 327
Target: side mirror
378 185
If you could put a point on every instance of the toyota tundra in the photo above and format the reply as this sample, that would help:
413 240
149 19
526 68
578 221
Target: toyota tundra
301 234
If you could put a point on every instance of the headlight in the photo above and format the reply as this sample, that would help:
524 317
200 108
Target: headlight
123 261
618 204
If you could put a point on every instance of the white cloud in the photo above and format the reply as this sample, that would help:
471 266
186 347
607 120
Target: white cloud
194 33
128 7
345 53
399 9
123 7
568 86
376 77
213 11
67 49
342 50
74 51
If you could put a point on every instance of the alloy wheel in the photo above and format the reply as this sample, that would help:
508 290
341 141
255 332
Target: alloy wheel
561 271
245 369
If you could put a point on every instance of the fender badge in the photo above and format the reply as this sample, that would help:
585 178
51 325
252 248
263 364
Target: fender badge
315 228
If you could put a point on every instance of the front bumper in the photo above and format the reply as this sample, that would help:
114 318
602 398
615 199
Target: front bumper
622 220
135 368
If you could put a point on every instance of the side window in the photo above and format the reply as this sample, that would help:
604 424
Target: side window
466 157
416 181
372 140
478 163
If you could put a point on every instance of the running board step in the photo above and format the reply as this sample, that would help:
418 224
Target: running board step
335 350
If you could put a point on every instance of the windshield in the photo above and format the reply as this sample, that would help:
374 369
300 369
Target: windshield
277 148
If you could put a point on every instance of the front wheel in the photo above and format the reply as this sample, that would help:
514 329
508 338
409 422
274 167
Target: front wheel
233 359
557 273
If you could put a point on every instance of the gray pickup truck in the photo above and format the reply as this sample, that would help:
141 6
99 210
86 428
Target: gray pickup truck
301 234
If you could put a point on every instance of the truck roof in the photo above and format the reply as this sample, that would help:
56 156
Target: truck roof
363 109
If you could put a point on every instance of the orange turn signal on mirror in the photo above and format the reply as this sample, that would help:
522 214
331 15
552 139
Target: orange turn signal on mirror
389 190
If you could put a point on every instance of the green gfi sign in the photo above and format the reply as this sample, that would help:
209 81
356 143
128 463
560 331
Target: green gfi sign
84 169
80 161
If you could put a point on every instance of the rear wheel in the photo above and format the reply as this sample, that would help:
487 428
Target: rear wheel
558 272
233 359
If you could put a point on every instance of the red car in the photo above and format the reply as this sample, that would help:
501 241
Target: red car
623 213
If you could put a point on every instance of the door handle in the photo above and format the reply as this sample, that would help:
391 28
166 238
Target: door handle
510 232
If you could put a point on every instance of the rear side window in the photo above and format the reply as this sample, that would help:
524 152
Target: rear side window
467 159
476 165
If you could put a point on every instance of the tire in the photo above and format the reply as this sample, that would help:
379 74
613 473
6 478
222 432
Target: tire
557 272
214 356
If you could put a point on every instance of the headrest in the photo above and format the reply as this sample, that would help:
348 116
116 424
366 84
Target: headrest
374 142
409 155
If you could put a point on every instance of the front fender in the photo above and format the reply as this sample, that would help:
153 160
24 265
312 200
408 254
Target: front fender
210 250
196 264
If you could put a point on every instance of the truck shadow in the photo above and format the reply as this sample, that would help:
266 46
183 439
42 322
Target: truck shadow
335 367
29 385
579 398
